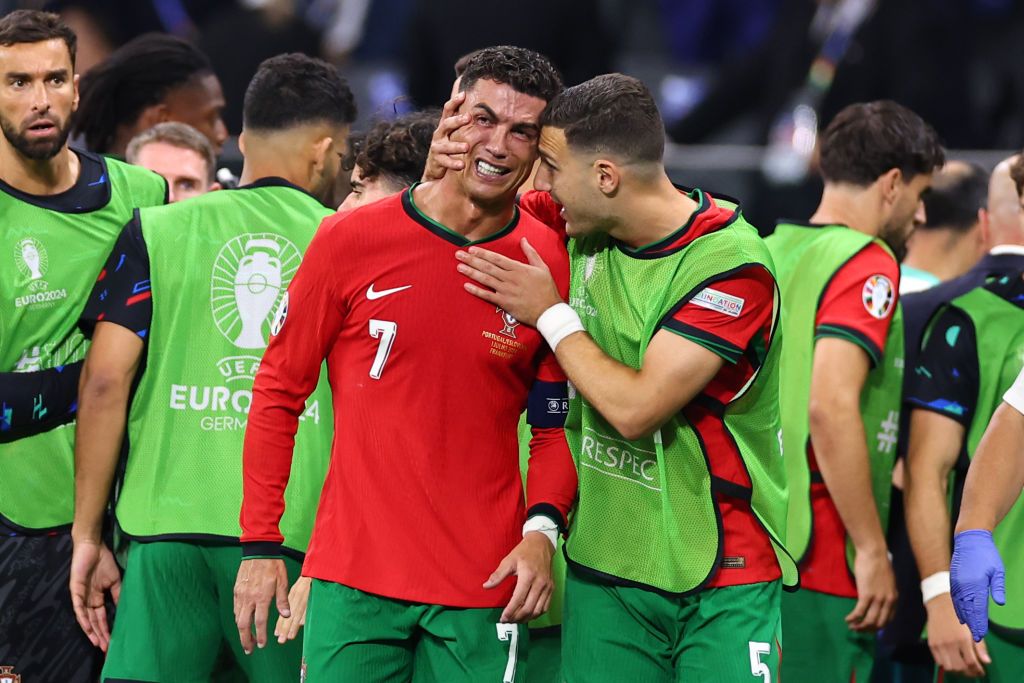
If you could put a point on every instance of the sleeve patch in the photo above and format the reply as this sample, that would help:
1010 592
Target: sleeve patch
715 300
878 296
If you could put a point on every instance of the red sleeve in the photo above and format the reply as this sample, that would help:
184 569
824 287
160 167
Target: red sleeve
551 472
858 304
725 316
541 206
306 325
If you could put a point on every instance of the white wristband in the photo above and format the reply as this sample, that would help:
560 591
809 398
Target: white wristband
1015 394
934 586
543 524
557 323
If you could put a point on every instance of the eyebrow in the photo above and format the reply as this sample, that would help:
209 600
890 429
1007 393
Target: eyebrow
24 75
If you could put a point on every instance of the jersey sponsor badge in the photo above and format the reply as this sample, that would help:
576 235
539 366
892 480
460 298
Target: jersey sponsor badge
715 300
279 316
878 296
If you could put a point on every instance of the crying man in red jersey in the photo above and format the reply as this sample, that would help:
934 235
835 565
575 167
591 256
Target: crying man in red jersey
421 524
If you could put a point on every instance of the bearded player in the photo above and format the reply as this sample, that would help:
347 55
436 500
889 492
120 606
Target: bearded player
421 521
62 209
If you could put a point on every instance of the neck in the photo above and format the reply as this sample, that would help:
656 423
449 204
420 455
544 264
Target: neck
445 202
854 207
258 167
653 212
40 177
941 252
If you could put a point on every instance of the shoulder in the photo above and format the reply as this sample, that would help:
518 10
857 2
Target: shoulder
121 171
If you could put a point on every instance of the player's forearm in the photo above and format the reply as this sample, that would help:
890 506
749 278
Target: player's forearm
996 476
103 404
617 391
837 435
37 401
928 521
934 446
551 481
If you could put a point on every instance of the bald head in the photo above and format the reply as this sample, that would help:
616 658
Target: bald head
1005 225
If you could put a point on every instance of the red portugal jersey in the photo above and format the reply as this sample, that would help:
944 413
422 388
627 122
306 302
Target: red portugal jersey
423 497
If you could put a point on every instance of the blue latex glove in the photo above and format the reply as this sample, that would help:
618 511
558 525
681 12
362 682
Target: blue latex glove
975 569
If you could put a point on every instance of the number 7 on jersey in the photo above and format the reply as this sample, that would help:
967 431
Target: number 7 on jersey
385 330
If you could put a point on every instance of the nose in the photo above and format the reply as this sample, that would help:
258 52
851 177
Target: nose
220 134
542 181
40 98
919 215
497 144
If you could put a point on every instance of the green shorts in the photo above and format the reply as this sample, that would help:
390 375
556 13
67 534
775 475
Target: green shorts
719 635
356 636
819 646
1007 661
175 620
544 660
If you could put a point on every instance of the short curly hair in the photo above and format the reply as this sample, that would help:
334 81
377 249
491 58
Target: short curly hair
394 150
528 72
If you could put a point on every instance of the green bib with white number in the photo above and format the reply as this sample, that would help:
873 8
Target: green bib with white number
807 259
50 262
647 512
220 265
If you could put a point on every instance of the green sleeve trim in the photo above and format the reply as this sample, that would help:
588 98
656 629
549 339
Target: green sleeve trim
852 336
728 353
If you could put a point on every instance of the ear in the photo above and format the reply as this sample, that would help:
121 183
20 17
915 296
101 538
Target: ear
889 183
609 177
984 230
319 154
74 84
241 143
214 187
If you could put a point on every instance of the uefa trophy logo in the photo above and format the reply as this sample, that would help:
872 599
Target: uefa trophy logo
31 258
250 275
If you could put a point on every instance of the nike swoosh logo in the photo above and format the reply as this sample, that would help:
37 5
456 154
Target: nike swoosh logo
373 296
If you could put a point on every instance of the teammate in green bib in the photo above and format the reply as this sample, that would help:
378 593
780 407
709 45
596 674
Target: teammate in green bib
191 292
675 553
973 351
841 380
62 210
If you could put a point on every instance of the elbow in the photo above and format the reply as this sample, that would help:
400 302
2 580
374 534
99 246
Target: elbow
99 386
634 424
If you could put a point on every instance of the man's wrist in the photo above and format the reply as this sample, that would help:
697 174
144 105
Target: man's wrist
558 322
934 585
542 524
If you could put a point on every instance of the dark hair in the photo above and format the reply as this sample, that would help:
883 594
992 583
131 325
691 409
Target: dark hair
1017 173
526 71
955 196
295 89
396 150
867 139
610 113
137 75
32 26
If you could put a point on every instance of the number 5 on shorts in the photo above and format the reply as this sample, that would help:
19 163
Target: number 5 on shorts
509 632
757 667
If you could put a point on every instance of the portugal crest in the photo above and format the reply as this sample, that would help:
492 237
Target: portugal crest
509 329
7 675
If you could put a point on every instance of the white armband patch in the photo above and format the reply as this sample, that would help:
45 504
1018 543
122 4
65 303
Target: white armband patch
715 300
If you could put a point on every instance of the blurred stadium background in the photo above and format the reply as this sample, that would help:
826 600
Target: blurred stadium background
742 83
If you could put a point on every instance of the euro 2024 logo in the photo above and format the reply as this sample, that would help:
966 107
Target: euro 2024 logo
250 276
32 261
